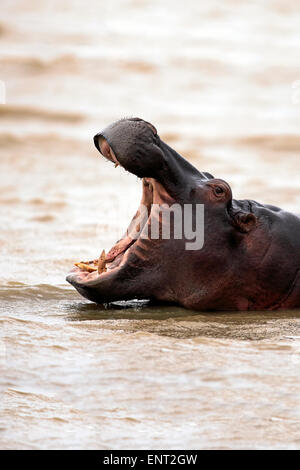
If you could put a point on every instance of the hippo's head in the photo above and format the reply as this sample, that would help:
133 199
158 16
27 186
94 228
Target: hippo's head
232 269
149 267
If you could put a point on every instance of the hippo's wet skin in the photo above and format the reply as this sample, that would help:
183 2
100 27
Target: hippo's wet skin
251 255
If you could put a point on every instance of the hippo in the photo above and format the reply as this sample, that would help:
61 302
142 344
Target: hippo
250 257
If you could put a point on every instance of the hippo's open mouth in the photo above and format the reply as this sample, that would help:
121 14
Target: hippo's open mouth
107 264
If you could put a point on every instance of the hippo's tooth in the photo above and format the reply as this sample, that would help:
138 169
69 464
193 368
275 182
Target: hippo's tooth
101 263
85 267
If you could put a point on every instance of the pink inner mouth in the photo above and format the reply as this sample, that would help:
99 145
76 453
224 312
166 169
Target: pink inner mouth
107 263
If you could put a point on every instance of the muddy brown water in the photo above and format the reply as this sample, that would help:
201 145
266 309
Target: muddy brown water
219 80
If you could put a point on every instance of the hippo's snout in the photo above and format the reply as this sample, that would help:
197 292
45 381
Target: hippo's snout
135 145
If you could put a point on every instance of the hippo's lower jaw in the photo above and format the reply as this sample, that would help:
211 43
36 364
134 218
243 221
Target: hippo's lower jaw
250 259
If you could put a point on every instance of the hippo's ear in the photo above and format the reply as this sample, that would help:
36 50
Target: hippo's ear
244 221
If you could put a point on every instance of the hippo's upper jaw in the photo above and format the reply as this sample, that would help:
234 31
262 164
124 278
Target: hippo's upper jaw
135 145
237 268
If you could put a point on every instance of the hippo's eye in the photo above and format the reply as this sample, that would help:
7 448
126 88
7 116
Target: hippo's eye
219 190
